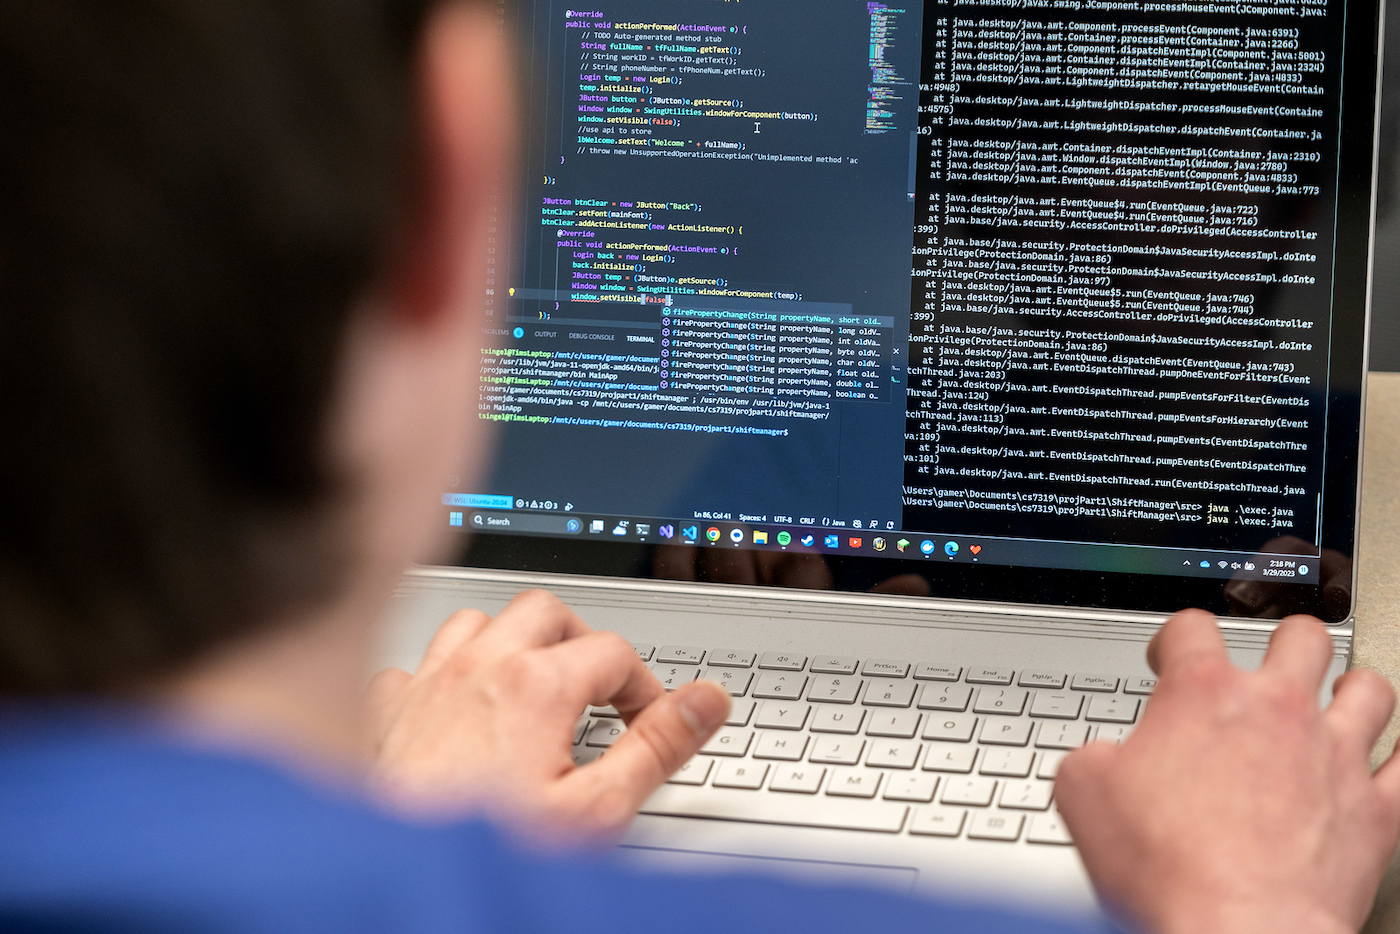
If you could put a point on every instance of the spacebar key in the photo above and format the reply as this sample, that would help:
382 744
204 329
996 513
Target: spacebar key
772 808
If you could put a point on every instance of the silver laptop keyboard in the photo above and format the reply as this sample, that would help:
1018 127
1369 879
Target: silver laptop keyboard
881 745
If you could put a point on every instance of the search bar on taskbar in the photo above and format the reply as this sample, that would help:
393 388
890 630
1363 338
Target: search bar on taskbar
540 525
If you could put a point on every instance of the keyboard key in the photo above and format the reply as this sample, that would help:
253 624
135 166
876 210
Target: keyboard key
731 658
797 779
938 822
938 672
950 757
970 791
693 772
791 810
853 783
747 774
604 733
1112 732
790 747
834 689
1009 761
582 755
739 712
1140 686
893 754
910 786
1009 701
983 675
734 680
1050 763
604 712
1105 683
886 693
680 655
838 720
644 651
834 665
674 676
995 825
779 685
885 668
1026 796
782 715
902 724
1113 709
953 728
1062 735
783 661
1042 679
837 750
728 741
581 728
1060 704
945 697
1048 828
1006 731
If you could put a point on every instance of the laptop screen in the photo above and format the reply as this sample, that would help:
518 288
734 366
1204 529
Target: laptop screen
1053 301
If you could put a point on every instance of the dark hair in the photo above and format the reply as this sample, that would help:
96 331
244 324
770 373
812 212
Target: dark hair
193 196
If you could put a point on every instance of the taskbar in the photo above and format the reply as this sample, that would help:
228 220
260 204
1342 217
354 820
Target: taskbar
892 544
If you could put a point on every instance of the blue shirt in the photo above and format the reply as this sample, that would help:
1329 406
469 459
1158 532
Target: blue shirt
108 824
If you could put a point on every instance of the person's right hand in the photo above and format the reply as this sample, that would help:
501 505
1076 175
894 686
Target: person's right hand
487 722
1238 805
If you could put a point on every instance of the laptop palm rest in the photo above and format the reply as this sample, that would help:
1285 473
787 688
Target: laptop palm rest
902 879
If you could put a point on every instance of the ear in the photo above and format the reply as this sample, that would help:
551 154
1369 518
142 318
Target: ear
468 129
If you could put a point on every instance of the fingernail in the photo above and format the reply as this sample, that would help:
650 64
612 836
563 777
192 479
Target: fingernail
703 710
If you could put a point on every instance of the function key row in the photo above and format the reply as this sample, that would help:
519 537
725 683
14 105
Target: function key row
888 668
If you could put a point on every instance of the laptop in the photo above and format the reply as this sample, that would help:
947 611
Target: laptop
902 366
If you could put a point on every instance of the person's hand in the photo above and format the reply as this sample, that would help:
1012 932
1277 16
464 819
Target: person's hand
488 720
1239 805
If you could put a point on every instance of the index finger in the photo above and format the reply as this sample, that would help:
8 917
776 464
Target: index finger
1188 638
534 619
602 668
461 627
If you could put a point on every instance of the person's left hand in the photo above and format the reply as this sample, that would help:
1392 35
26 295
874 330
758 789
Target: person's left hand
488 720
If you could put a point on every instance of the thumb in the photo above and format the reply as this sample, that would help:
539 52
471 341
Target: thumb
1081 780
660 739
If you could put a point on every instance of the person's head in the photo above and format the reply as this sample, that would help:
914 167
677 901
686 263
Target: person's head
242 244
